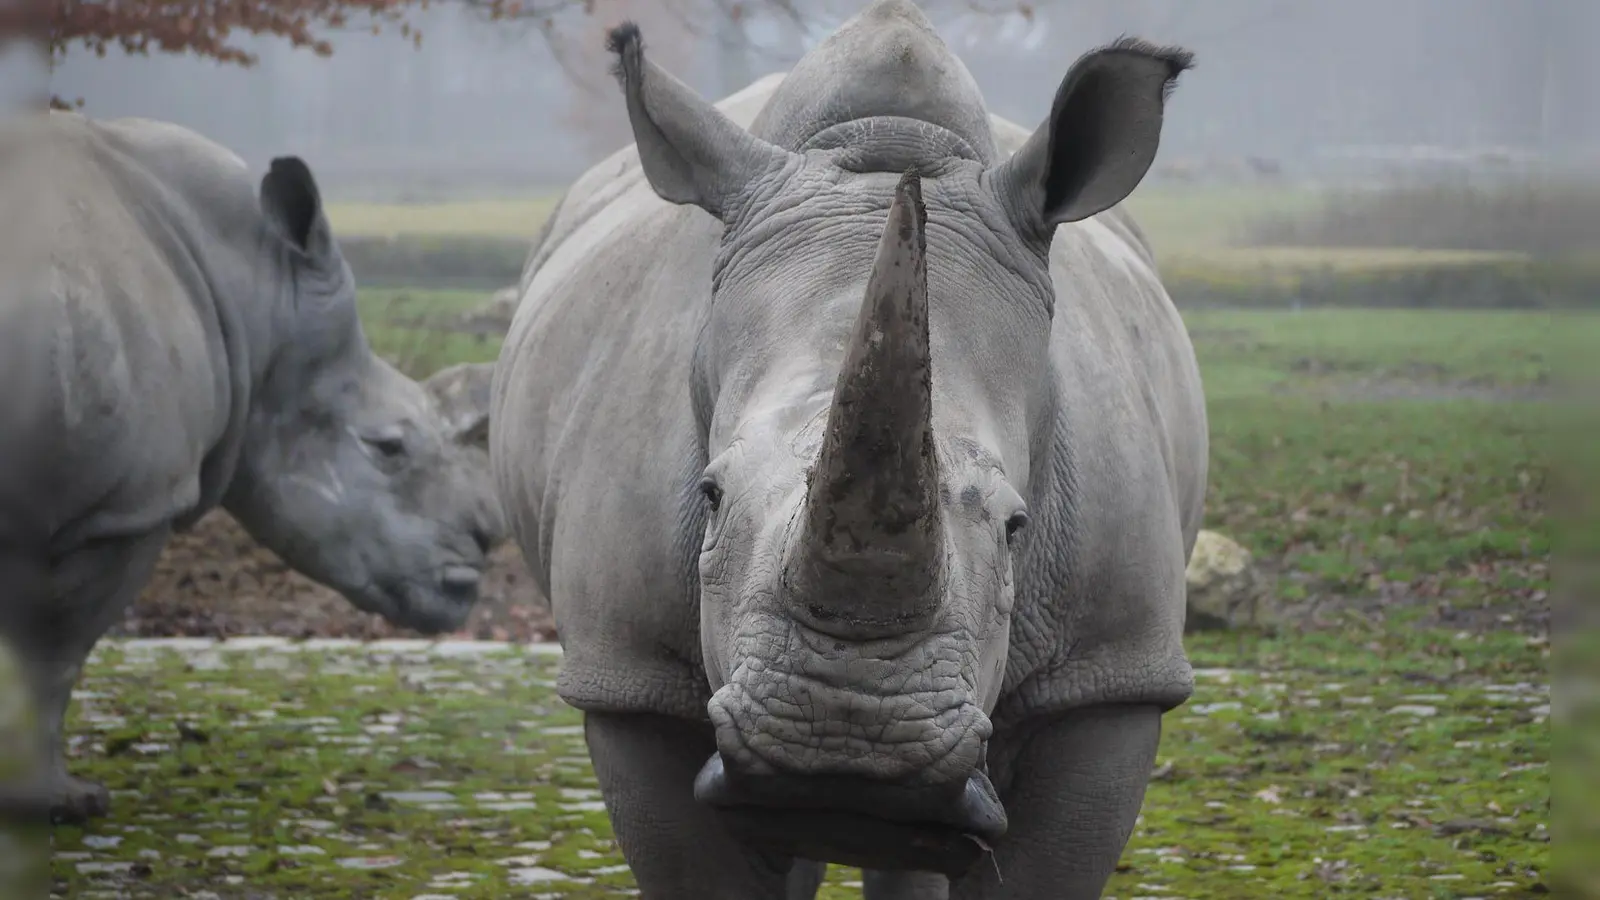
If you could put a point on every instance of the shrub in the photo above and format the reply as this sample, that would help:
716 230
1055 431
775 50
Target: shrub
469 261
1539 215
1514 283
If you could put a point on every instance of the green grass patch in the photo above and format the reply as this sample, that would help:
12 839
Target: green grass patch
1394 455
418 330
1484 347
1376 763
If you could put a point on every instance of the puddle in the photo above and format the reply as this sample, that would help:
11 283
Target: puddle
536 875
369 862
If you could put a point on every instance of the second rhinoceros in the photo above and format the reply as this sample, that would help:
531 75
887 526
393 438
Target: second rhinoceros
860 450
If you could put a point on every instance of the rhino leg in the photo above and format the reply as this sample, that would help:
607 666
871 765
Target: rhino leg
805 879
1075 788
879 885
53 626
677 848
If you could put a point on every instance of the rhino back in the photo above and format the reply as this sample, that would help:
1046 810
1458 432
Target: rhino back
128 388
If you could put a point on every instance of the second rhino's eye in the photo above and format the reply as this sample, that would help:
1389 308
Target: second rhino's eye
387 444
712 492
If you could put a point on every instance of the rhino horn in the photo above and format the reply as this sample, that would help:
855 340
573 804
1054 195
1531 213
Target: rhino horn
872 526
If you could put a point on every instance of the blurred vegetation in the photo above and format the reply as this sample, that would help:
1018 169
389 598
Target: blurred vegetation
1234 246
1537 215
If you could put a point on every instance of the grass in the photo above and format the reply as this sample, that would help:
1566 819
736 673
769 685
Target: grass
1390 466
1378 763
1396 454
402 325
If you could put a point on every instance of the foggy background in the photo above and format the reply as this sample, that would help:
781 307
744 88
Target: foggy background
1292 88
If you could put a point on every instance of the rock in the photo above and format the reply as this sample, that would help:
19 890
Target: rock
1226 588
494 317
503 305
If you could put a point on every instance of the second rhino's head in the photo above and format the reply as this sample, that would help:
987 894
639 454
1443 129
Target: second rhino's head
356 475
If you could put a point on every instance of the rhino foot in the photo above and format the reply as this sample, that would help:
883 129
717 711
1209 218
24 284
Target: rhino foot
64 800
76 801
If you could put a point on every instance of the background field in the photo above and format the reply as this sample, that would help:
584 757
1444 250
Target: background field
1390 470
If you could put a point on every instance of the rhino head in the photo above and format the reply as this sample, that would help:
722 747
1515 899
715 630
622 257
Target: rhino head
353 473
875 391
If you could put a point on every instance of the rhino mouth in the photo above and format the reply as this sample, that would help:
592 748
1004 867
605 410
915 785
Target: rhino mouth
853 821
431 610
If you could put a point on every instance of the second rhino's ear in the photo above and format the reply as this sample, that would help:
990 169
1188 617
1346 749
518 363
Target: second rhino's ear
1099 141
690 152
461 393
293 204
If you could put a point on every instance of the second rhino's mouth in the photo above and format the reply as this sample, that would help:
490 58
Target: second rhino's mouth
436 607
857 822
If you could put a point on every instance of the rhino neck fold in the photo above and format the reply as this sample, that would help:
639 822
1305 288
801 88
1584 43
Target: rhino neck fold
869 559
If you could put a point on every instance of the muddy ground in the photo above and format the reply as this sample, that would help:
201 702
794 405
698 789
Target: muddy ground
216 581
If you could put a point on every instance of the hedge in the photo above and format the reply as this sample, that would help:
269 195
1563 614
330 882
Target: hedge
1495 283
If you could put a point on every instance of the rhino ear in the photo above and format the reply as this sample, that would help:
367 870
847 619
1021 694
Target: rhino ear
293 204
461 393
690 151
1099 141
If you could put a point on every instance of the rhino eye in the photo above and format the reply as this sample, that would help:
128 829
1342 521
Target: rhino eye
712 492
1017 522
388 446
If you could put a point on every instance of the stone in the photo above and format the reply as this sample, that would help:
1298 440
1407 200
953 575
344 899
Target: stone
1226 589
502 305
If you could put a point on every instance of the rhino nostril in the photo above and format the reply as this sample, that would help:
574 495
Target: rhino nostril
460 580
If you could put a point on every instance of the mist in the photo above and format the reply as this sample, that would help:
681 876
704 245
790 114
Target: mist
1292 89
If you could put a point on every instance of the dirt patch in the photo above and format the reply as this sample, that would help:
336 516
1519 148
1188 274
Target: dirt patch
1524 611
1402 388
216 581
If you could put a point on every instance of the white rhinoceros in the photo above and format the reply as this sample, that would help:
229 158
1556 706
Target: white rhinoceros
859 449
172 341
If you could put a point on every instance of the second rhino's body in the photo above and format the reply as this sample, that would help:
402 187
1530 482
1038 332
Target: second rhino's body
175 339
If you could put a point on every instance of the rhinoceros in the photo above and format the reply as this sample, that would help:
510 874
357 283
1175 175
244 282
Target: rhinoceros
172 341
860 450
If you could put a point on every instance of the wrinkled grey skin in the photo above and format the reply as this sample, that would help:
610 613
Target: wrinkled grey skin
863 499
174 341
